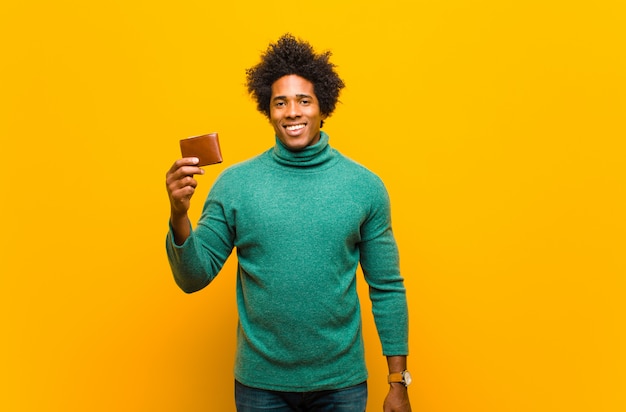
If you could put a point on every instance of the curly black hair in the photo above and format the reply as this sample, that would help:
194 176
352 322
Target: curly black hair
291 56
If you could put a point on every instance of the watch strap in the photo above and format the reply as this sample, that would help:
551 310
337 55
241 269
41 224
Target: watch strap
397 377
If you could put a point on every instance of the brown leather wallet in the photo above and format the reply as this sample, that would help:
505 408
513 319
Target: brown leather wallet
205 147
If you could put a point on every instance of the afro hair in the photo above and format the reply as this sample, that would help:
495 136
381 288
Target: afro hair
291 56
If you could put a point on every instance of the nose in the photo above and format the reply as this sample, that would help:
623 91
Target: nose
293 110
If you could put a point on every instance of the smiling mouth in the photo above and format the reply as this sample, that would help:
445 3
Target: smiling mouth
295 127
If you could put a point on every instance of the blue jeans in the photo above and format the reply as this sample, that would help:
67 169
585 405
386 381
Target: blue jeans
352 399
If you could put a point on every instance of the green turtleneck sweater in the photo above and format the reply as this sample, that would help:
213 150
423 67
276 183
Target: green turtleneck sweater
301 223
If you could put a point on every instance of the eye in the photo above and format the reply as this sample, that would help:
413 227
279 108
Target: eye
279 104
305 102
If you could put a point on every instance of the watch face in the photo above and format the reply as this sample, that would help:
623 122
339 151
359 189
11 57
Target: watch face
407 378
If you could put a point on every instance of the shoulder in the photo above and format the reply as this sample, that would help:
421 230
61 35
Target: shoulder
230 180
240 169
360 174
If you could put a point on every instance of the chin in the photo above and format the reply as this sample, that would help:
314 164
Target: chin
295 144
296 147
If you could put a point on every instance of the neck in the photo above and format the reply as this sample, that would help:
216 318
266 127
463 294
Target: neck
310 156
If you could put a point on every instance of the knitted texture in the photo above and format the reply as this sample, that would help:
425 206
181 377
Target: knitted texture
301 223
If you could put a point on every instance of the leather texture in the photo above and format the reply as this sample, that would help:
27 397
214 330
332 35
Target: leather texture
205 147
395 377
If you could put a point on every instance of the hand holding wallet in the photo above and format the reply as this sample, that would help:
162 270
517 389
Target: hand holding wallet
206 148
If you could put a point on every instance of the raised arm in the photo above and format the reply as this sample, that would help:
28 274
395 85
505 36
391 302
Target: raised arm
181 185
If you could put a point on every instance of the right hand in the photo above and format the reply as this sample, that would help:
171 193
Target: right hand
181 184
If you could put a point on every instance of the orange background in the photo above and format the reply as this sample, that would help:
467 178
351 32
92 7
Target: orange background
497 126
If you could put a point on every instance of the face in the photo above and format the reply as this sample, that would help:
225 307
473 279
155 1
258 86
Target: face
295 112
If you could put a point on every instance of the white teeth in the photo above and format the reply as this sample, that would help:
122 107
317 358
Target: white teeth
295 127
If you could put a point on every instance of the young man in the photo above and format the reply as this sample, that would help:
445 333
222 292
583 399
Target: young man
302 216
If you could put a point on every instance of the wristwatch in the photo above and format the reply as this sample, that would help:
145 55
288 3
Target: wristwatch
403 377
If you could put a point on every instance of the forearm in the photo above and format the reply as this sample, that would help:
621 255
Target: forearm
396 363
181 227
187 265
197 256
380 264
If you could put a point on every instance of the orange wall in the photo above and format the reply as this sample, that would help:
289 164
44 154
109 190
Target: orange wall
499 129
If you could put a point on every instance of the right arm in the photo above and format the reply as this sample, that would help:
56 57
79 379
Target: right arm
181 186
196 256
186 266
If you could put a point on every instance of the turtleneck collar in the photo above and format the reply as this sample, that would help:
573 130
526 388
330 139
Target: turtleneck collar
311 156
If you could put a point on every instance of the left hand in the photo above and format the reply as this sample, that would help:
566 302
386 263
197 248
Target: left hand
397 400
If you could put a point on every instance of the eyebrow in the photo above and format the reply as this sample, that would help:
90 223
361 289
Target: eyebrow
299 96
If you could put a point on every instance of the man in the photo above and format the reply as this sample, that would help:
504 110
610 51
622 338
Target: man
302 216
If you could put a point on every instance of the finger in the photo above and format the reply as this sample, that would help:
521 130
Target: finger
183 194
184 163
180 198
176 184
187 161
191 170
187 181
181 172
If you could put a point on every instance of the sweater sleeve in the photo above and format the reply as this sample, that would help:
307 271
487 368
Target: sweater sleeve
380 263
199 259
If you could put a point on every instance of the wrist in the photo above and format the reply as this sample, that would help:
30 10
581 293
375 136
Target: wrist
399 378
181 228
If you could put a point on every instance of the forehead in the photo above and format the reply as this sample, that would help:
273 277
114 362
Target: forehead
292 85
